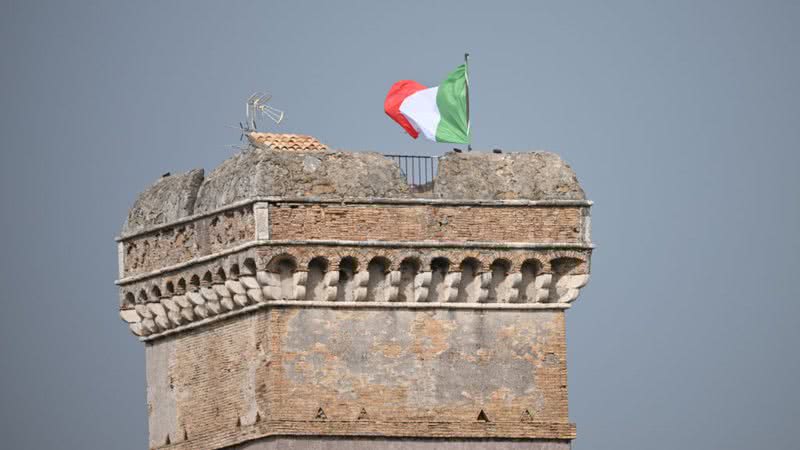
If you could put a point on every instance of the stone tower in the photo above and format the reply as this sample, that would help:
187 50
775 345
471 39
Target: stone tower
298 297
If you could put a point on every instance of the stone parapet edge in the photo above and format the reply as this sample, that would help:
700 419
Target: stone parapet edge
358 305
403 429
507 430
385 244
360 201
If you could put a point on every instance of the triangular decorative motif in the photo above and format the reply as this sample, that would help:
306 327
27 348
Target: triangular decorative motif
363 414
321 415
167 441
185 435
258 417
526 416
238 422
482 417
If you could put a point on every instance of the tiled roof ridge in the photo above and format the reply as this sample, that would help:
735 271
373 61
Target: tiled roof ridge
286 141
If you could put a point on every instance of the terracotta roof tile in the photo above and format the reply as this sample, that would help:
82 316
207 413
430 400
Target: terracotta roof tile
294 142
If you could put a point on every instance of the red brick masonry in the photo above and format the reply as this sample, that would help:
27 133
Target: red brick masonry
426 222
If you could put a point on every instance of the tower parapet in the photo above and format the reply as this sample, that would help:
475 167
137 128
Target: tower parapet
298 291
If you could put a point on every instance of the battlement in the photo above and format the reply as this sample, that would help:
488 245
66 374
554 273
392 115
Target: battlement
302 167
297 290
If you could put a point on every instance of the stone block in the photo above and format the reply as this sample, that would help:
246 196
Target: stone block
249 283
209 294
157 309
195 298
129 315
143 311
241 299
181 300
235 287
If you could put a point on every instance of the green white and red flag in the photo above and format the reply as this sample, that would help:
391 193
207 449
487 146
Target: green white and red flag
440 113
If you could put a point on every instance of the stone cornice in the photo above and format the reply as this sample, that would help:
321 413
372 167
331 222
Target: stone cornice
357 305
422 245
524 430
316 276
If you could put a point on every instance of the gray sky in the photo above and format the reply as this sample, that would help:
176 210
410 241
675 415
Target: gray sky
682 120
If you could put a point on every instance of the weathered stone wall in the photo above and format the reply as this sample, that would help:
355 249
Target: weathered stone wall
185 241
506 176
167 200
260 173
425 222
301 371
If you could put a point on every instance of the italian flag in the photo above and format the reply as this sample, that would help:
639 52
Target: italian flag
440 113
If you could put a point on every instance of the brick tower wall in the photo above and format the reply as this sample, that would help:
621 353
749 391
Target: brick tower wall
277 319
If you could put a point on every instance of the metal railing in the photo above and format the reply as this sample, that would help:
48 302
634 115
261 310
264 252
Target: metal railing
419 171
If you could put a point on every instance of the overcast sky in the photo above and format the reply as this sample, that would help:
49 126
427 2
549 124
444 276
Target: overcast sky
681 119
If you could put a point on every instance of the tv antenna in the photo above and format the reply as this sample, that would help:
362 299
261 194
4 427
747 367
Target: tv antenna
257 108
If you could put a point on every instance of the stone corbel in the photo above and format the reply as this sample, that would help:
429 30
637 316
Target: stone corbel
238 292
513 280
360 281
486 281
393 288
422 284
253 287
541 286
331 283
225 296
299 286
450 288
568 287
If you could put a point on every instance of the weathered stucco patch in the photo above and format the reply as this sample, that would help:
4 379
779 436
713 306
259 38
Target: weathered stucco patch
436 364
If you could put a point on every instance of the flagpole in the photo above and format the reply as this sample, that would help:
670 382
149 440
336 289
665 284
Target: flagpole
466 70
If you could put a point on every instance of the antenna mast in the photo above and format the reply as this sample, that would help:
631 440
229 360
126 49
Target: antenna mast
257 107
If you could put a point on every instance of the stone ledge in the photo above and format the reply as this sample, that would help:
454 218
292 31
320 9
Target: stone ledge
405 429
357 305
403 443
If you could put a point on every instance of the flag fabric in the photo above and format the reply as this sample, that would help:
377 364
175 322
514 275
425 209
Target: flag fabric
439 113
